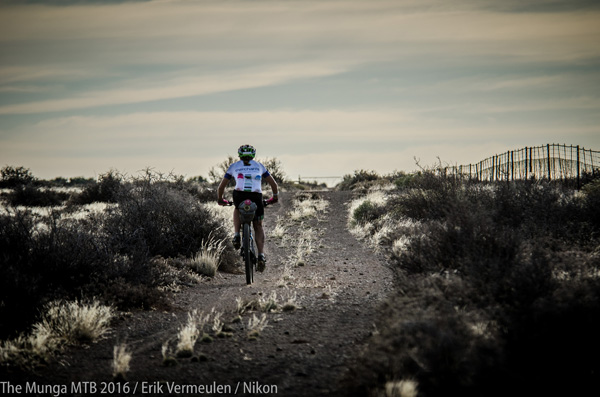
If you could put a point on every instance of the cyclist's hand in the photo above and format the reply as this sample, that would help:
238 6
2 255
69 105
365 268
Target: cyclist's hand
222 202
272 200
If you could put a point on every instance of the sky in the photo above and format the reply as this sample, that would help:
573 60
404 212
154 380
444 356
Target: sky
327 87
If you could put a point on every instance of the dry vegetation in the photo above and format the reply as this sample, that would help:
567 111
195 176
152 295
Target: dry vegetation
498 290
498 287
123 241
63 324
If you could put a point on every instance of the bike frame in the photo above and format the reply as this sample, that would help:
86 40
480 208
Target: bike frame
247 210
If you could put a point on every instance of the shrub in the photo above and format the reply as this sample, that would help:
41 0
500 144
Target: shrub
359 179
108 254
367 212
591 208
45 258
106 189
275 168
15 176
499 289
32 196
153 219
78 181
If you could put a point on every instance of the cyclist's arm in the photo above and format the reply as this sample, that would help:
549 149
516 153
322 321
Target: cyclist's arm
221 189
271 181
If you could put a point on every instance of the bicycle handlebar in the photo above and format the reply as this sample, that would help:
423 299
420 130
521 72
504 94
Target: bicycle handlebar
265 203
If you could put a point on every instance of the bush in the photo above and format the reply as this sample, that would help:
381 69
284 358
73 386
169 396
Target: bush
15 176
360 178
154 218
368 212
105 190
110 255
592 206
44 259
499 289
32 196
275 168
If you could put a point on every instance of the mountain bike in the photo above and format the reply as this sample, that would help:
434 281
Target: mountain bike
247 209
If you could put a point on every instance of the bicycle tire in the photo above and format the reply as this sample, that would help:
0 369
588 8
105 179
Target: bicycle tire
248 254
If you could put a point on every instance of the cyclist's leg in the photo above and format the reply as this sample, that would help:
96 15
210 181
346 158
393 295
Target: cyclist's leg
237 223
259 235
259 232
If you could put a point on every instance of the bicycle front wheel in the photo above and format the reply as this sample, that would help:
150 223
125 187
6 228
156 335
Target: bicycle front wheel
248 254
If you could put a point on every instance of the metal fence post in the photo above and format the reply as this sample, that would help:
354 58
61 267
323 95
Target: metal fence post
549 172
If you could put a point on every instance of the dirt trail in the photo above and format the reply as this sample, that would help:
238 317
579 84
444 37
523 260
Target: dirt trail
305 352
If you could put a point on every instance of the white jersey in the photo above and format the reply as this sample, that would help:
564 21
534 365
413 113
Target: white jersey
248 178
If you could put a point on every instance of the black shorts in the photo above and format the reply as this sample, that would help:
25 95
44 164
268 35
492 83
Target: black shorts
239 197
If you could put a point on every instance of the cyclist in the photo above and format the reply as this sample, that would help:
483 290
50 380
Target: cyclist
249 175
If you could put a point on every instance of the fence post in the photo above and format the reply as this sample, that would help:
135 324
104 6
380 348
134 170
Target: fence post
578 168
526 157
549 173
507 166
530 159
512 165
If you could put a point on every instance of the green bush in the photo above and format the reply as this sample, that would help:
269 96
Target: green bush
359 178
367 212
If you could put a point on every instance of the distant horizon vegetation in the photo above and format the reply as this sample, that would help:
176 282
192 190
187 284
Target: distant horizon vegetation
499 164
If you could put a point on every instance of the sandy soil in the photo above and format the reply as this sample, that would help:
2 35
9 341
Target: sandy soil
304 352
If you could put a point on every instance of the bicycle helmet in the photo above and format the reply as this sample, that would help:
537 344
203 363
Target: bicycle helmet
246 152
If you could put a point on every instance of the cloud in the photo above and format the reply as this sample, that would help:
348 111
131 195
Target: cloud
173 49
327 85
180 87
268 30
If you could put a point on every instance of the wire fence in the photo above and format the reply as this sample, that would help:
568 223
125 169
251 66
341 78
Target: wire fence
327 180
551 161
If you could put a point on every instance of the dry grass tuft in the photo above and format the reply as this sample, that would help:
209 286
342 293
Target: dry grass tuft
207 260
278 231
189 333
76 322
121 360
169 359
65 323
256 325
403 388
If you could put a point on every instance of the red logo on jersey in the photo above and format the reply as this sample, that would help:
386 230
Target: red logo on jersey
240 176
